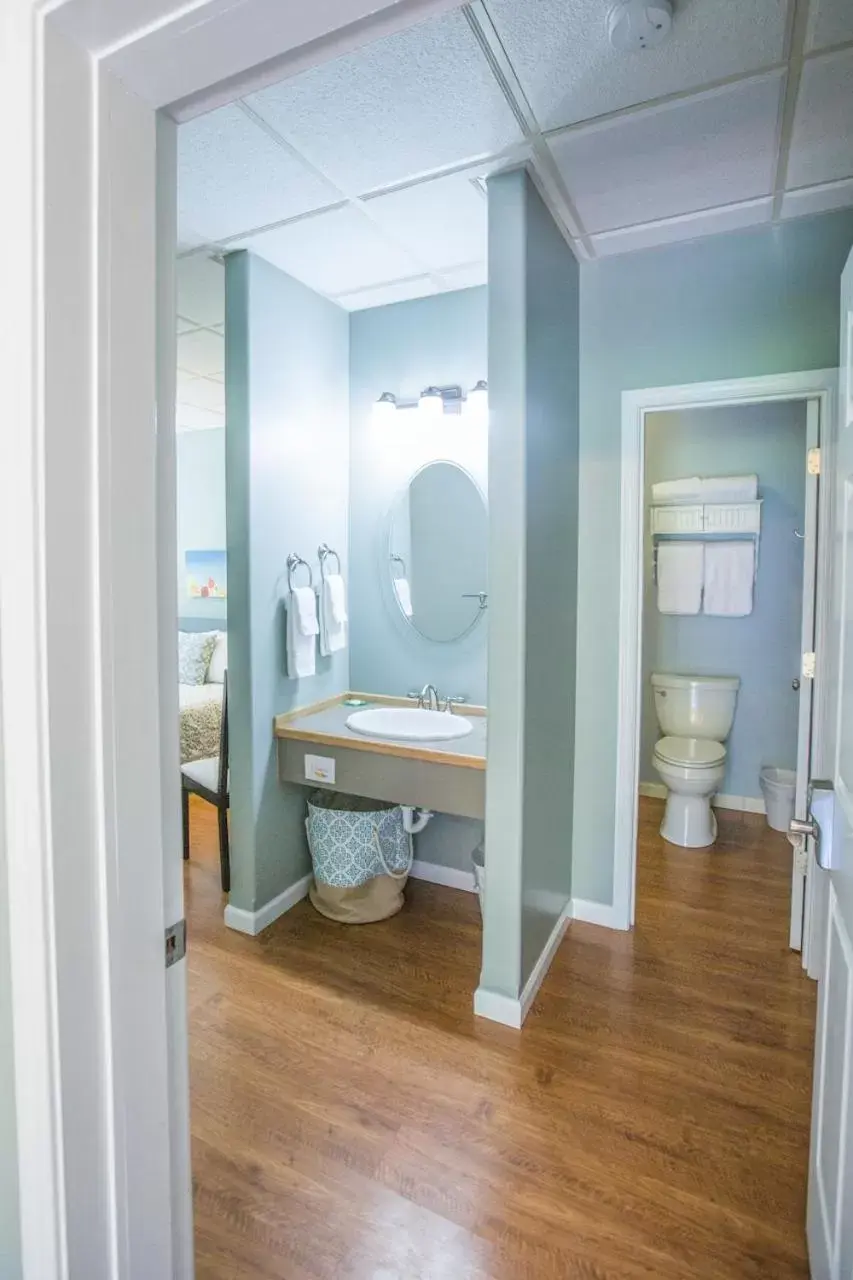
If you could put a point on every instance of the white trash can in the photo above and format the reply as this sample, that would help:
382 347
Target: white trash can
778 787
478 858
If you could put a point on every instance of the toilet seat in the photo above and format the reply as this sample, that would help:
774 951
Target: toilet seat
690 753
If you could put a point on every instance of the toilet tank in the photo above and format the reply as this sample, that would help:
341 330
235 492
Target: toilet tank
695 706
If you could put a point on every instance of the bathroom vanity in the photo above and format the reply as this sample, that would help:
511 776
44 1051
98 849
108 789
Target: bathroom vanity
317 748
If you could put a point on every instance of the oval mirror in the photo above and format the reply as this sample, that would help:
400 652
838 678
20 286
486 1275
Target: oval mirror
438 552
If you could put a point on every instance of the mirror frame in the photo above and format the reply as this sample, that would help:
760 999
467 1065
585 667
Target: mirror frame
401 492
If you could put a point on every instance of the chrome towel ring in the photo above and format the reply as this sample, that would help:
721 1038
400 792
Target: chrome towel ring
293 563
323 552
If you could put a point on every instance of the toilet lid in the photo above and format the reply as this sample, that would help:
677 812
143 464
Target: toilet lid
690 752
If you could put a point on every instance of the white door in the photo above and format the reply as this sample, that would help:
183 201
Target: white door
830 1204
806 684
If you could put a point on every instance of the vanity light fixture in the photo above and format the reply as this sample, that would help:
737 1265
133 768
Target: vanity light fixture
431 402
385 406
478 400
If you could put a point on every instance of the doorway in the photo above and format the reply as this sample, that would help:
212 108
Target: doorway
641 409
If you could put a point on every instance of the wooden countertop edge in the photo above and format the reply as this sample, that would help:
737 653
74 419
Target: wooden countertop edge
383 699
377 748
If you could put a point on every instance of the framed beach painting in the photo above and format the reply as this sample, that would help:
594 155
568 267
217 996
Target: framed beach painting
206 575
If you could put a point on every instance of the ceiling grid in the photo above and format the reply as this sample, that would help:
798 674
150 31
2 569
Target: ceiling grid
370 161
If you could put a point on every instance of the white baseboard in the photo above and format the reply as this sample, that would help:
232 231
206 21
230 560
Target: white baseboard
508 1011
252 922
543 964
739 804
600 913
449 876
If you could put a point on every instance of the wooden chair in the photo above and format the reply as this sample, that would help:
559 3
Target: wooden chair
209 779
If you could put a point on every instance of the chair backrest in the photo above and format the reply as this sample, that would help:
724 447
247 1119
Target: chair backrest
222 782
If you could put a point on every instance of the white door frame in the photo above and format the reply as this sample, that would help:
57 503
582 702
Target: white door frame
88 597
820 385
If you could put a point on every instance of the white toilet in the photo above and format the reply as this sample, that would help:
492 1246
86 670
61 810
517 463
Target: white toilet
695 714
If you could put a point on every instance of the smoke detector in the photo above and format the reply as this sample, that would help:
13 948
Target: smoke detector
634 25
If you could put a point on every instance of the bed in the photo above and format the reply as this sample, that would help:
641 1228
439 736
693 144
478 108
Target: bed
201 708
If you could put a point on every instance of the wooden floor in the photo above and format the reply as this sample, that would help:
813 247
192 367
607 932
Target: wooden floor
352 1119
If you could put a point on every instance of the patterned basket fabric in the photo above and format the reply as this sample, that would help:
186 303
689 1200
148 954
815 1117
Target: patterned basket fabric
347 847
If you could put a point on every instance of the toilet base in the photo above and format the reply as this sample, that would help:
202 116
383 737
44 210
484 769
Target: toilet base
689 821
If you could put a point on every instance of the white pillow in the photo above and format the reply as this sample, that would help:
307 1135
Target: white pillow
194 650
219 660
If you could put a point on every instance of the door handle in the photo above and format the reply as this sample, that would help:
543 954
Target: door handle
820 824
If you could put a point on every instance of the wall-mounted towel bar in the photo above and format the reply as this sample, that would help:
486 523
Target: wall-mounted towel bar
714 521
293 563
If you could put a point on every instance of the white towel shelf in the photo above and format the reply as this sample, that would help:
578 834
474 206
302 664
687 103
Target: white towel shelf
708 519
729 518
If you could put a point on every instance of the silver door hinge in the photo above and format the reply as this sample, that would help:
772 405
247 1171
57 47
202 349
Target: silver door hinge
813 462
809 661
176 943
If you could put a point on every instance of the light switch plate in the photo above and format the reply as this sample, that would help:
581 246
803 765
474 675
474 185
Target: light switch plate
319 769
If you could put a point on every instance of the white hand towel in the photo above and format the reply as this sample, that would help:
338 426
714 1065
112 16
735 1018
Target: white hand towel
301 648
674 491
305 603
730 489
729 578
404 595
333 615
336 594
680 574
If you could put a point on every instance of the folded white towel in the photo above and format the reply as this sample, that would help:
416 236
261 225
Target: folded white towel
305 603
674 491
404 595
333 615
729 578
680 574
301 645
730 489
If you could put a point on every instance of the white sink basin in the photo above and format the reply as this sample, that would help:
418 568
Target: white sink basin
409 724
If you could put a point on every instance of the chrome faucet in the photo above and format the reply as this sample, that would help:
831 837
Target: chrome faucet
428 698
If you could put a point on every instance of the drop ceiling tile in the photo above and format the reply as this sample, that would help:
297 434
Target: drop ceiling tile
408 104
202 352
382 295
468 276
442 221
690 227
830 22
201 290
698 153
188 418
822 139
570 72
233 177
200 393
334 253
821 199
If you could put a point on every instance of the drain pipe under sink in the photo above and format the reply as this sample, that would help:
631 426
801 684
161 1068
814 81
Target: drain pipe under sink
412 825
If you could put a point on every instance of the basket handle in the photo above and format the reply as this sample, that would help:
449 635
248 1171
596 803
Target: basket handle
395 875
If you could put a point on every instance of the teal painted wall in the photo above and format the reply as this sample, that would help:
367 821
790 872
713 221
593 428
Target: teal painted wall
287 461
402 348
200 457
762 649
739 305
533 477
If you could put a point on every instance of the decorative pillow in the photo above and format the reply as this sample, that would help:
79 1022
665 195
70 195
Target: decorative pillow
219 661
195 649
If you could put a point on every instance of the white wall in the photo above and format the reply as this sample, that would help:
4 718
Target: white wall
201 511
762 649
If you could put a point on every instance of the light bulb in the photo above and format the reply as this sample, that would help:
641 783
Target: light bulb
385 406
431 403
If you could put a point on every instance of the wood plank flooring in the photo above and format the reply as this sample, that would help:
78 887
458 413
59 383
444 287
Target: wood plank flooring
352 1119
